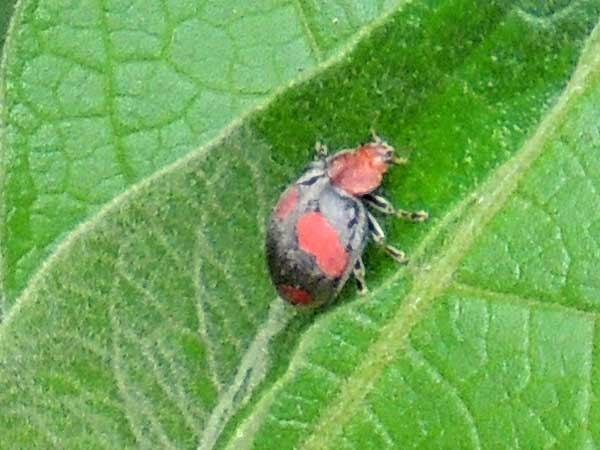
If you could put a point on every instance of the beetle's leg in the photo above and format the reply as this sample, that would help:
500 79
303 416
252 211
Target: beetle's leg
379 238
359 274
381 204
320 150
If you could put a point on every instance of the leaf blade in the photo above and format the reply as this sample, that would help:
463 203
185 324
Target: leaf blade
121 332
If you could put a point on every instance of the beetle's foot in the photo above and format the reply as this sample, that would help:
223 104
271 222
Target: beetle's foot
398 255
412 216
359 274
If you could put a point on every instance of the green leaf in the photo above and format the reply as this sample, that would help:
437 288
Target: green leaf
99 95
6 10
154 323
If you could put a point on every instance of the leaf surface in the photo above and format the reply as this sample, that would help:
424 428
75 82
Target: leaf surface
154 324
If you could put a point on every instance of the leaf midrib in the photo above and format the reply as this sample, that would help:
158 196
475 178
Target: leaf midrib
433 275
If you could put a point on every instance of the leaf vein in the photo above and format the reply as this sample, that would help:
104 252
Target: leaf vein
203 330
134 402
469 291
171 388
380 428
310 36
419 360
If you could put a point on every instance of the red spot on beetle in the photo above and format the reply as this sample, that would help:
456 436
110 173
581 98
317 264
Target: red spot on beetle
295 295
287 203
317 237
360 171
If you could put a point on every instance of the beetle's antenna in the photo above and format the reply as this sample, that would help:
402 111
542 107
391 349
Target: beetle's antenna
376 138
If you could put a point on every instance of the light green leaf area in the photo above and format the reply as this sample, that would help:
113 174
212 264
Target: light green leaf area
101 94
154 323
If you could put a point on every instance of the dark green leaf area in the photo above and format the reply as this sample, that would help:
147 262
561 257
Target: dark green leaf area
456 86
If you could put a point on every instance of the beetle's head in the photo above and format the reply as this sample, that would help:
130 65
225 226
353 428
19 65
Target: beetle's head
380 155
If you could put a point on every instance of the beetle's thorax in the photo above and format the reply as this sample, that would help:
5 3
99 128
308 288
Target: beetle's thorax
360 171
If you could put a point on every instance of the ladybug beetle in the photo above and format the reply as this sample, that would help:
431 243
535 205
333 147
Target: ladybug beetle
321 224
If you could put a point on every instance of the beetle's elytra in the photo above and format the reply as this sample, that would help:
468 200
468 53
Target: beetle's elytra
321 224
